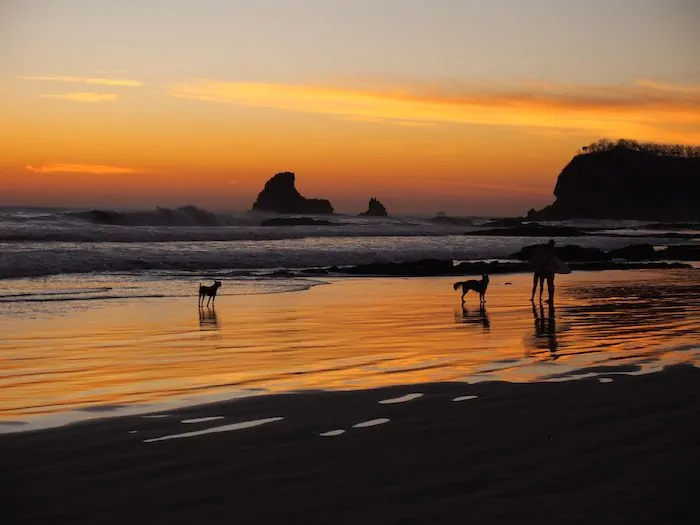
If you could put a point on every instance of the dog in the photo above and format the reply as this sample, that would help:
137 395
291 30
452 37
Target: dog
478 286
209 291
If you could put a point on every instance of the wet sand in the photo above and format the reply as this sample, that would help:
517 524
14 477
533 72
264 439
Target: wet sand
370 401
623 450
73 360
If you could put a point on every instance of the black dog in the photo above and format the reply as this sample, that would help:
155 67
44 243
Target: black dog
208 291
478 286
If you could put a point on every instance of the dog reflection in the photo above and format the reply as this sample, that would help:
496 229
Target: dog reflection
479 316
208 319
546 327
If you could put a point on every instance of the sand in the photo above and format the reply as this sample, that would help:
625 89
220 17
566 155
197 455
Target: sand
586 451
373 401
75 360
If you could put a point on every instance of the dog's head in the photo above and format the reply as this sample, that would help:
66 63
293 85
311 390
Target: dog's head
485 277
217 284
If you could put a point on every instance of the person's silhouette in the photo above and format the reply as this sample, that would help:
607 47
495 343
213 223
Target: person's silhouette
543 271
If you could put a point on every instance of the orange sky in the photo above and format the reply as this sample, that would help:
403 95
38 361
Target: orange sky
186 132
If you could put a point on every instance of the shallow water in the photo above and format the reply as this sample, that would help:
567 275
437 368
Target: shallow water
72 360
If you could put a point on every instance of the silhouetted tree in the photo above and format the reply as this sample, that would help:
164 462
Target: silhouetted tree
662 150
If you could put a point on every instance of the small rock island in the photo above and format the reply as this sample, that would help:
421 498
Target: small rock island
375 209
281 196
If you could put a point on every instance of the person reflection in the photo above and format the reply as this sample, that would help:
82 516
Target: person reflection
546 327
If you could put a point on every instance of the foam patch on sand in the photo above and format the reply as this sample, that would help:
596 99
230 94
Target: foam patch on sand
332 433
224 428
372 422
201 419
464 398
402 399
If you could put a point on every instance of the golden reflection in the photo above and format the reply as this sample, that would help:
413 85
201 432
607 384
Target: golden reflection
208 319
350 334
546 327
475 317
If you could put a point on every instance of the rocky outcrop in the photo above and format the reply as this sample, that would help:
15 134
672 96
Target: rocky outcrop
626 183
443 218
531 230
375 209
281 196
295 221
632 253
439 267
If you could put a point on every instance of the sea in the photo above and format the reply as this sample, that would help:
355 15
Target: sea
39 242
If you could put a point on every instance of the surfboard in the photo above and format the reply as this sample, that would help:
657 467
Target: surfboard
540 257
556 265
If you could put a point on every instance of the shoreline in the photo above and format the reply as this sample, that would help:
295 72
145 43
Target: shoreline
575 452
77 360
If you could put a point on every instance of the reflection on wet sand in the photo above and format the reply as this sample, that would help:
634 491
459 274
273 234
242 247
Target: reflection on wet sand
545 327
475 316
208 319
352 334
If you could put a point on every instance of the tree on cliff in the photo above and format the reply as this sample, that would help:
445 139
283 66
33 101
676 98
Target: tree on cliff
661 150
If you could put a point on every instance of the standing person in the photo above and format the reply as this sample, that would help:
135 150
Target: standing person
546 262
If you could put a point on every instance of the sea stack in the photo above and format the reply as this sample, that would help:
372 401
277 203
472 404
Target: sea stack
375 209
281 196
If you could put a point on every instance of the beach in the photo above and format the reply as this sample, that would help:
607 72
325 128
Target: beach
582 451
347 400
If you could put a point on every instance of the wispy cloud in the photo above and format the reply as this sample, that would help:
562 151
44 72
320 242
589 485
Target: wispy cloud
640 110
85 97
97 169
673 88
120 82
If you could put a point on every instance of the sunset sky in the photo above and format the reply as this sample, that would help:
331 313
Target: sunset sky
467 106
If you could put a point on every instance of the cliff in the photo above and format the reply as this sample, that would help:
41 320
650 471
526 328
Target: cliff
625 183
281 196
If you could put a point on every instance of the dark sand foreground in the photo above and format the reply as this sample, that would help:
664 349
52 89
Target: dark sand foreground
586 451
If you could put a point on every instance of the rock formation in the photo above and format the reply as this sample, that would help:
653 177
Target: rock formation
295 221
281 196
375 209
627 180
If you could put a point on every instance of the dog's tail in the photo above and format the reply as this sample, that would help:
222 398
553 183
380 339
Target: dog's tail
457 285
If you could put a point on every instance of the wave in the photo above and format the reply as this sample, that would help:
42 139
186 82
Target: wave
74 298
183 216
170 285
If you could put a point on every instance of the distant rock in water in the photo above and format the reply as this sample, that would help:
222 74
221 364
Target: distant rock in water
532 230
281 196
632 253
628 180
295 221
507 222
443 218
375 209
